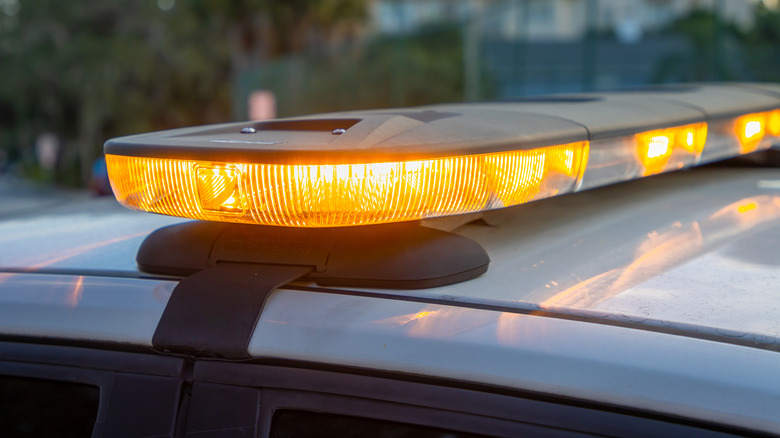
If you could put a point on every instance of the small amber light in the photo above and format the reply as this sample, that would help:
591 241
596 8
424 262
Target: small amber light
219 188
750 131
654 148
655 151
331 195
691 138
773 123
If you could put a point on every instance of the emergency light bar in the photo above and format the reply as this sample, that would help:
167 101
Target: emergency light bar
372 167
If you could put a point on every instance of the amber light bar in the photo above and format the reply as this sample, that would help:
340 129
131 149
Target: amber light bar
405 164
322 195
334 195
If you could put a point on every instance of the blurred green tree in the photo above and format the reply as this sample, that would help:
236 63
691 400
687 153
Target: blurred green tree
424 67
761 44
87 71
710 56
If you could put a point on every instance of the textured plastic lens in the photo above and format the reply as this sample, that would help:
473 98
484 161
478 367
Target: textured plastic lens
773 123
618 159
219 188
321 195
750 131
655 148
691 138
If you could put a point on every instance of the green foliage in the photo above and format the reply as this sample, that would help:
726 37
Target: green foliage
424 68
762 45
709 56
721 51
87 71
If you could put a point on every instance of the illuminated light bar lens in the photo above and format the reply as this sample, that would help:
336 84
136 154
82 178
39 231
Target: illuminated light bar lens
773 123
219 188
736 136
750 130
321 195
643 154
654 149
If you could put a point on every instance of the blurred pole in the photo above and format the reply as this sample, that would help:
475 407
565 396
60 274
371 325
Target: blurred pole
590 46
718 50
471 51
521 24
399 56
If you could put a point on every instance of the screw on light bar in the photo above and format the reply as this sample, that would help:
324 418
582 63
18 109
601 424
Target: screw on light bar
325 195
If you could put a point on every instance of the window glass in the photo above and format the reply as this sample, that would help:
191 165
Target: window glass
35 408
294 424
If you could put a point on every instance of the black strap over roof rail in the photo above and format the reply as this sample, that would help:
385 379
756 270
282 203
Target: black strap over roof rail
214 312
233 268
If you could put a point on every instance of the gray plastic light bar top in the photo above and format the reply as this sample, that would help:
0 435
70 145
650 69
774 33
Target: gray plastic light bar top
718 101
451 129
607 115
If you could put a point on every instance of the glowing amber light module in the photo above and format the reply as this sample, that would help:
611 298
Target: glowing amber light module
219 188
329 195
655 148
773 123
750 130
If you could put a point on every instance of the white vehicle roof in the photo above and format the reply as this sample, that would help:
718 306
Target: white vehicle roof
660 294
691 250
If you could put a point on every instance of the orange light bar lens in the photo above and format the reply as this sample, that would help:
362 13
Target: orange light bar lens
750 130
330 195
773 123
219 188
655 148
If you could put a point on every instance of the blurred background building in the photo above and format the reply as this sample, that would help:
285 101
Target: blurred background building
76 73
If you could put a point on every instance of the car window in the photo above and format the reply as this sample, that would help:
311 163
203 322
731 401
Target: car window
37 407
295 424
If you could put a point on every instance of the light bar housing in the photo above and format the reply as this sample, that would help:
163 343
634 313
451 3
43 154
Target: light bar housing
371 167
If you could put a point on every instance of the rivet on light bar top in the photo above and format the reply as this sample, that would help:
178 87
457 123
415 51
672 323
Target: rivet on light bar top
322 195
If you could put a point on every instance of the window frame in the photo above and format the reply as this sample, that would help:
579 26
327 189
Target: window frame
434 403
140 394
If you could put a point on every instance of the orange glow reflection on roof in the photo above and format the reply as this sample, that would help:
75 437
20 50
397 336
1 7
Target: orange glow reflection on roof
6 276
669 248
406 319
657 253
76 292
512 329
440 323
746 207
749 212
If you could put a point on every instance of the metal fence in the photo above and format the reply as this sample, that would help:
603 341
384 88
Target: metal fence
463 60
